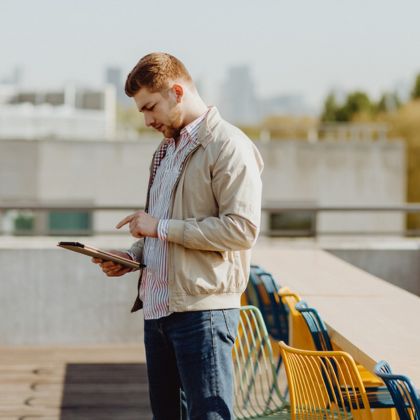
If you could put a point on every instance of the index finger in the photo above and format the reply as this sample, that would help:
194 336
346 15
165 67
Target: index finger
124 221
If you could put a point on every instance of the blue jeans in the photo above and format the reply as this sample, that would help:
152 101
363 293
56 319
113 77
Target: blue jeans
191 351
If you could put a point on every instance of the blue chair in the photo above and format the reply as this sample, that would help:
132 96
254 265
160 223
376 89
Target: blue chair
405 396
378 395
262 292
316 326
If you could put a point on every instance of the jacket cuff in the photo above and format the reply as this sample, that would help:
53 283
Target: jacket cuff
130 254
176 230
162 229
136 250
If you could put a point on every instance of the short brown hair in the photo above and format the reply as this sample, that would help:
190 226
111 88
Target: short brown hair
154 71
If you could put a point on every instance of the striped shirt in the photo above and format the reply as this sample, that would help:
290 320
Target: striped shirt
154 286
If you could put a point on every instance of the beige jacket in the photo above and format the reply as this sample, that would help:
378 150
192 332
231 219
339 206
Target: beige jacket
214 222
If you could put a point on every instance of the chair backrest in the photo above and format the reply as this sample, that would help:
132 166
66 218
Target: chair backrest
257 391
324 384
316 326
262 291
299 335
404 395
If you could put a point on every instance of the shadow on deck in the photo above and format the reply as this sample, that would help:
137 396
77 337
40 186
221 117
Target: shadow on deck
105 391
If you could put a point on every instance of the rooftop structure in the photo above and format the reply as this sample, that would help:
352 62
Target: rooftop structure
68 113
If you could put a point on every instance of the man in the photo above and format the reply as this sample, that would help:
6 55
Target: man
201 218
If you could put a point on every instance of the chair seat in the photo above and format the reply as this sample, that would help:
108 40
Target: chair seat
378 396
369 379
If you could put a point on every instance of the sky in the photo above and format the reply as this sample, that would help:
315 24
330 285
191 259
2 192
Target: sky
303 47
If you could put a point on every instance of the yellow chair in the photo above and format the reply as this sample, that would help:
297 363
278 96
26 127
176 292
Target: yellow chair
301 337
257 393
324 385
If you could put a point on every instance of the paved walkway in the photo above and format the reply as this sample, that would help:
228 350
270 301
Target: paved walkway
74 383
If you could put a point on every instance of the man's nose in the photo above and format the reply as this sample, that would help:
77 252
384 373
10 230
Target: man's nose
148 120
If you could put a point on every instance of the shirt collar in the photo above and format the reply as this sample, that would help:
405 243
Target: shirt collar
191 129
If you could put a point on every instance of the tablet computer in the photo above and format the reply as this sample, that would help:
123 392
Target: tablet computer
99 253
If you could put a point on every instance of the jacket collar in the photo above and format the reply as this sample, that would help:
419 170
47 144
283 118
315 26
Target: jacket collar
206 133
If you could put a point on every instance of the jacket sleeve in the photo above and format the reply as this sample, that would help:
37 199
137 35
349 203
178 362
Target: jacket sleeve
237 188
136 250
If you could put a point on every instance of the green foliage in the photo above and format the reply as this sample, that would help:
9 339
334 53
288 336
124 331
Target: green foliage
358 104
355 103
415 94
329 113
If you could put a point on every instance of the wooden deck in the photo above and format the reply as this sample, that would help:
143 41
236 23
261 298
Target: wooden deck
74 383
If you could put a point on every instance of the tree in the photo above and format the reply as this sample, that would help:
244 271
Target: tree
329 114
357 103
415 94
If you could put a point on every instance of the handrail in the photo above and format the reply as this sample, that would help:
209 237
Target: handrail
66 207
269 207
408 207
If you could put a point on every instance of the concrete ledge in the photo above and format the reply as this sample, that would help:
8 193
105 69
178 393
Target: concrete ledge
50 296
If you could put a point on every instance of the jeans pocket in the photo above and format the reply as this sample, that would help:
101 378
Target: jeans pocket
231 317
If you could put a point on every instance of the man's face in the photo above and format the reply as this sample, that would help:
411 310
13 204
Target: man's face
161 110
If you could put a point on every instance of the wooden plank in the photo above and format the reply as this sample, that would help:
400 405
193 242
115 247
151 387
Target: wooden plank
78 383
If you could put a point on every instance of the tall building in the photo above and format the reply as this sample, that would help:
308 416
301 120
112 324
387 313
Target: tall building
113 76
239 103
14 78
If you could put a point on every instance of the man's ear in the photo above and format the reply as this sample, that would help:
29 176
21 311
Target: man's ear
178 91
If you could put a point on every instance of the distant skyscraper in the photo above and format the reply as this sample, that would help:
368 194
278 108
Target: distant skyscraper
113 76
239 103
17 75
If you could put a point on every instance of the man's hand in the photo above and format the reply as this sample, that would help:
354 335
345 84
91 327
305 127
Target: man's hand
112 269
141 224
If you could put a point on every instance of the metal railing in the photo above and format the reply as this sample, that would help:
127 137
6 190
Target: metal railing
310 211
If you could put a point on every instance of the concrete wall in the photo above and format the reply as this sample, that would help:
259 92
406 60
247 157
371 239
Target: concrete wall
347 172
51 296
339 173
396 266
19 163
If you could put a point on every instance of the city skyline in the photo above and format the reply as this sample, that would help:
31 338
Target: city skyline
296 47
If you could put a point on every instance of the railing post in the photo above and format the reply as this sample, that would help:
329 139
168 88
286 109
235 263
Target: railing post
40 223
315 223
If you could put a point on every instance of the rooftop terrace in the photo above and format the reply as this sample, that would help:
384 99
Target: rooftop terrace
70 349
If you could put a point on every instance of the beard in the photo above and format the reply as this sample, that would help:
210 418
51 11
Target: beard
171 132
175 125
